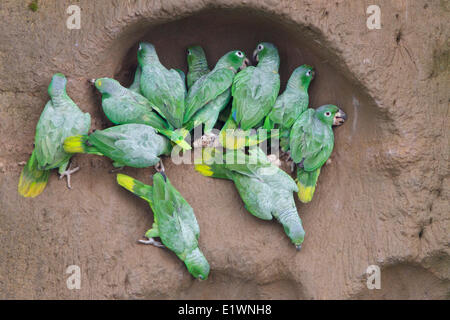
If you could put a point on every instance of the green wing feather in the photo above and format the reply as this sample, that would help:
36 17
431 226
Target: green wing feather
206 89
177 224
166 90
57 122
133 145
254 93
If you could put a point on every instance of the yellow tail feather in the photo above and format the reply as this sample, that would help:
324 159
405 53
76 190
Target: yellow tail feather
74 144
204 169
32 180
305 193
126 181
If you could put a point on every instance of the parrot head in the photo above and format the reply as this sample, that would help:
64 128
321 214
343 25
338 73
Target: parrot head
57 85
234 59
146 53
106 85
265 49
195 54
197 264
302 77
331 115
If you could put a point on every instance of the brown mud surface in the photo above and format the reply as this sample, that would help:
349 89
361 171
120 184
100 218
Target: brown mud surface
383 200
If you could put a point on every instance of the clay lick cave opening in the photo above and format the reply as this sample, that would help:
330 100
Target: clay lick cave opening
250 257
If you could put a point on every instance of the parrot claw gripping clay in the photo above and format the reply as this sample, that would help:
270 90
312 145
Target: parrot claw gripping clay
311 142
174 221
60 119
266 190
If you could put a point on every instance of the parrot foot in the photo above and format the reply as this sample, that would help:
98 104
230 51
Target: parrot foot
67 174
152 242
207 140
116 170
160 167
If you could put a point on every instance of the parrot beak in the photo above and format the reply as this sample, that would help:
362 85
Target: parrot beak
313 74
91 81
245 64
255 56
298 247
339 118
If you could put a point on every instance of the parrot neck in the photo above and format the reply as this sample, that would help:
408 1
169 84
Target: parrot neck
271 63
199 66
295 85
58 99
194 258
289 217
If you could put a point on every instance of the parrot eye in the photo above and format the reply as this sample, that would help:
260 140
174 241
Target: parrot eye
308 73
260 47
140 47
239 54
189 52
328 113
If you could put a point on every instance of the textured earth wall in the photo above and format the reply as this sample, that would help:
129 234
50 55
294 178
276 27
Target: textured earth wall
383 200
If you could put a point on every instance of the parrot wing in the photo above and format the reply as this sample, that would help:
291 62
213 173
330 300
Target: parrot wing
254 93
206 89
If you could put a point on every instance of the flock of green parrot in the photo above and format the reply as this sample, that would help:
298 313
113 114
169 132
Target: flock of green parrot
157 112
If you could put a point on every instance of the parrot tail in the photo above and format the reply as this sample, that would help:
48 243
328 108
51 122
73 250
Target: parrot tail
215 168
135 186
306 182
32 180
178 137
79 144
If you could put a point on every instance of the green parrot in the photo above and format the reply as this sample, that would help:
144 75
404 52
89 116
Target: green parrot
174 221
60 119
311 144
290 104
197 64
136 85
133 145
208 115
165 89
211 85
123 106
255 89
266 190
